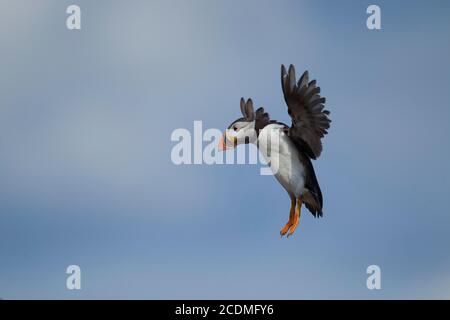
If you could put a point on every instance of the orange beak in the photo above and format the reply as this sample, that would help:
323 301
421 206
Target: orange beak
225 144
222 145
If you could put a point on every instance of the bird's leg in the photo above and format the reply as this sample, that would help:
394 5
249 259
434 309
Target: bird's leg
296 217
291 218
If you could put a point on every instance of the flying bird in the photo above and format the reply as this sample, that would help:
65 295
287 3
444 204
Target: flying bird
288 150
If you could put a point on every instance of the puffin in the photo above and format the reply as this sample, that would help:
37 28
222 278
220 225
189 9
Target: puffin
288 150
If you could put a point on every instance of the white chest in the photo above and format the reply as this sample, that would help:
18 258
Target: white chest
282 155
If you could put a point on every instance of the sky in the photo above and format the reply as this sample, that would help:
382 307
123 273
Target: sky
86 176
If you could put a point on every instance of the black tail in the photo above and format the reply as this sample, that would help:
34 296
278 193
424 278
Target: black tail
313 199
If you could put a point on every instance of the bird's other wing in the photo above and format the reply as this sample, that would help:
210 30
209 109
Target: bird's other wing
306 107
262 118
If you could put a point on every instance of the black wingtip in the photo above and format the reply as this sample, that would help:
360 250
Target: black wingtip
291 80
242 105
292 71
283 73
303 81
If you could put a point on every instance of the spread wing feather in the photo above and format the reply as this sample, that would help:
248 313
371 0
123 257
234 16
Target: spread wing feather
306 107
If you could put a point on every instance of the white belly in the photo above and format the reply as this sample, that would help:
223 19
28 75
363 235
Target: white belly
283 157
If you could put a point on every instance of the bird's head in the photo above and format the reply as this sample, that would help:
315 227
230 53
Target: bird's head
242 130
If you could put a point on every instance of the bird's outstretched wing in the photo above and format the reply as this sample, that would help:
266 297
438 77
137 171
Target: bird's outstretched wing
306 107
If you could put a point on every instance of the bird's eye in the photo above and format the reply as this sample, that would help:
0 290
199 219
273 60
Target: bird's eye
235 128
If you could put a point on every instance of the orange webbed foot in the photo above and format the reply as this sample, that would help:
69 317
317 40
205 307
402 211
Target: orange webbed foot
296 218
285 228
288 225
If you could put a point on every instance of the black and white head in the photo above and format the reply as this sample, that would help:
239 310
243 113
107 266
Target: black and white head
242 130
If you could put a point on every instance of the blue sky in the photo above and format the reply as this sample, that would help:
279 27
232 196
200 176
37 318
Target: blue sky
86 176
